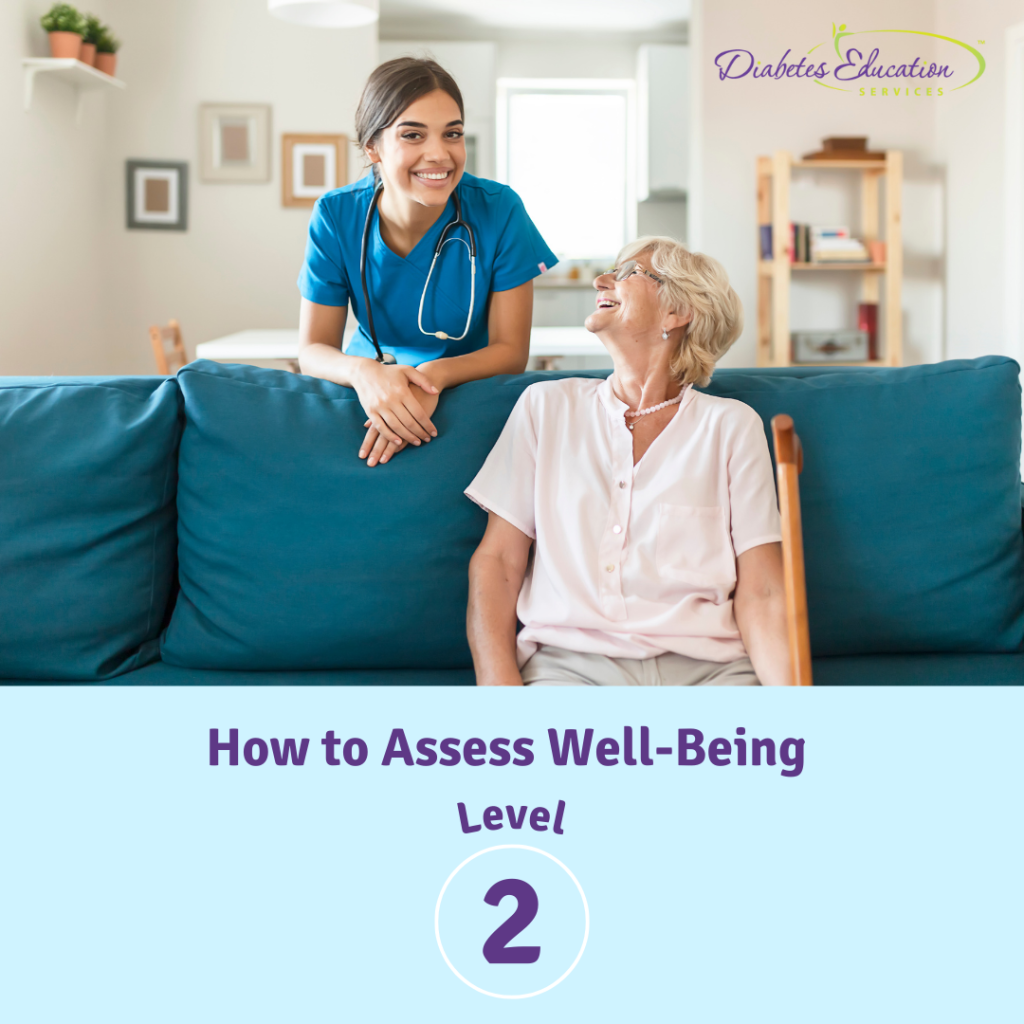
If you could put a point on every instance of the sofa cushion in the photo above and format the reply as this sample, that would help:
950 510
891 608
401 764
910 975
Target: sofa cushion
909 496
87 523
293 554
915 670
865 670
162 674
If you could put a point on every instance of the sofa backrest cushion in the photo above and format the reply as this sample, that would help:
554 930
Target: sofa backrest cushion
87 523
912 530
294 555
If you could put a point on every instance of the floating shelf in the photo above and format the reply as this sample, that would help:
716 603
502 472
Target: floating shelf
81 77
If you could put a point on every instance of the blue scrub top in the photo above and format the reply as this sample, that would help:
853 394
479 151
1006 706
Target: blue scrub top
509 252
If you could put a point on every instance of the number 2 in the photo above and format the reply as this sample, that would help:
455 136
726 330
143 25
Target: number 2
496 948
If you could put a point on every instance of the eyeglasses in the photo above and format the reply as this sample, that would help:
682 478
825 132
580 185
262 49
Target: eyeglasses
629 268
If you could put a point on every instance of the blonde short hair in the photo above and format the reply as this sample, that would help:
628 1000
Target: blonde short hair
698 285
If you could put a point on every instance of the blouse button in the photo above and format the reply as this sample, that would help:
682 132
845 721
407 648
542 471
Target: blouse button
609 568
622 484
616 529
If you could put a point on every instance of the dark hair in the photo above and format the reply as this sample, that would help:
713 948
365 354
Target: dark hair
393 86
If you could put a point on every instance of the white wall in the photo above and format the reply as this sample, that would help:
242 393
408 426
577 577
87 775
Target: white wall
743 119
587 57
52 260
970 142
237 264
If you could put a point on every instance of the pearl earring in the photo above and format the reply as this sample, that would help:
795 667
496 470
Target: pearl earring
664 335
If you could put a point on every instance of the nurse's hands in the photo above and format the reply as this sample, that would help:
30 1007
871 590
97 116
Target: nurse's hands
393 399
377 447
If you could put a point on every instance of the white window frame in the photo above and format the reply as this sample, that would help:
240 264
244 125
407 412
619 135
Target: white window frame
508 87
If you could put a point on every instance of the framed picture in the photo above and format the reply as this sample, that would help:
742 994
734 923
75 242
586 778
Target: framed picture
312 165
157 194
234 142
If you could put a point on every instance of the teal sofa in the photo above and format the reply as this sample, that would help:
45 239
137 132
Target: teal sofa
217 527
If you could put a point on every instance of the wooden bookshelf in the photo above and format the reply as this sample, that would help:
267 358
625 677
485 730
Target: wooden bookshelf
879 281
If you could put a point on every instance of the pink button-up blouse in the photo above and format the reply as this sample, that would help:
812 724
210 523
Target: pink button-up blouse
630 561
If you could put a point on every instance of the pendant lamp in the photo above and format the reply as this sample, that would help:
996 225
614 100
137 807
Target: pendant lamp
325 13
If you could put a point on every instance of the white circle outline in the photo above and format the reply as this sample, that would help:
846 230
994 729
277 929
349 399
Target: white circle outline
586 927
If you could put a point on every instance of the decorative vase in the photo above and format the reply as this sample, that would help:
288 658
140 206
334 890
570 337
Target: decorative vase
65 44
107 63
88 54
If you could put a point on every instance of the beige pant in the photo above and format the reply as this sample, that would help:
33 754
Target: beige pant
555 666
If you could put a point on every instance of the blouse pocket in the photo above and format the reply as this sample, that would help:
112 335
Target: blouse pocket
694 546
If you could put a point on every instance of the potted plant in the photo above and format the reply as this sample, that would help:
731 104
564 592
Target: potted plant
107 45
91 35
65 27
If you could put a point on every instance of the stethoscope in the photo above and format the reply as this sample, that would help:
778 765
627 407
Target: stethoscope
451 226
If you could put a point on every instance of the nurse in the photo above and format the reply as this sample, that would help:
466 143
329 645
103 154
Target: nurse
423 223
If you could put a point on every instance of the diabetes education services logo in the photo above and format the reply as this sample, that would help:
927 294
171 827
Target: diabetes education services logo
867 63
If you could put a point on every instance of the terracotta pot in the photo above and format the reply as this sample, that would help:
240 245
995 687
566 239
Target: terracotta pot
107 63
65 44
88 54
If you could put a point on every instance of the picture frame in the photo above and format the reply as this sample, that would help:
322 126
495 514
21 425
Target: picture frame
156 193
234 142
310 166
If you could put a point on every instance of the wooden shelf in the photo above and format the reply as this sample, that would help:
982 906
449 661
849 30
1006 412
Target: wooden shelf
841 165
81 77
881 183
765 266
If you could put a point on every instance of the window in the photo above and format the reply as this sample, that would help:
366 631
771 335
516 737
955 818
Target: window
566 146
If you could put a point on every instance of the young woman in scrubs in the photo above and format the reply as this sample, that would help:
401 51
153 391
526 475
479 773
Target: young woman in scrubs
410 125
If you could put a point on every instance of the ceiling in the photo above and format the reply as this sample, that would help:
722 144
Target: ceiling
542 15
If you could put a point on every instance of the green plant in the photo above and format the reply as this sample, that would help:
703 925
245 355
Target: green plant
107 42
93 29
63 18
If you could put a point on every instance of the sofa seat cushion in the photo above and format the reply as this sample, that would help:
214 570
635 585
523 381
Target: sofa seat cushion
866 670
87 523
920 670
161 674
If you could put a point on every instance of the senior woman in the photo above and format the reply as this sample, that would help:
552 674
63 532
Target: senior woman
650 507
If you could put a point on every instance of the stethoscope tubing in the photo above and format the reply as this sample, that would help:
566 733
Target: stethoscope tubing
451 226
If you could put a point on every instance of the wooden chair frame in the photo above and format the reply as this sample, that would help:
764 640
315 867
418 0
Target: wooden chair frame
789 463
158 336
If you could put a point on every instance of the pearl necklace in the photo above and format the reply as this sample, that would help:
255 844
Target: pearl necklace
655 408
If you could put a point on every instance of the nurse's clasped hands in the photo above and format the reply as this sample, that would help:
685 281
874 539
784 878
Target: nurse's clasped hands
398 401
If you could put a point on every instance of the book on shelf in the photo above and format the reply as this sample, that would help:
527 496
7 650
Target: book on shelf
813 244
765 234
799 243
